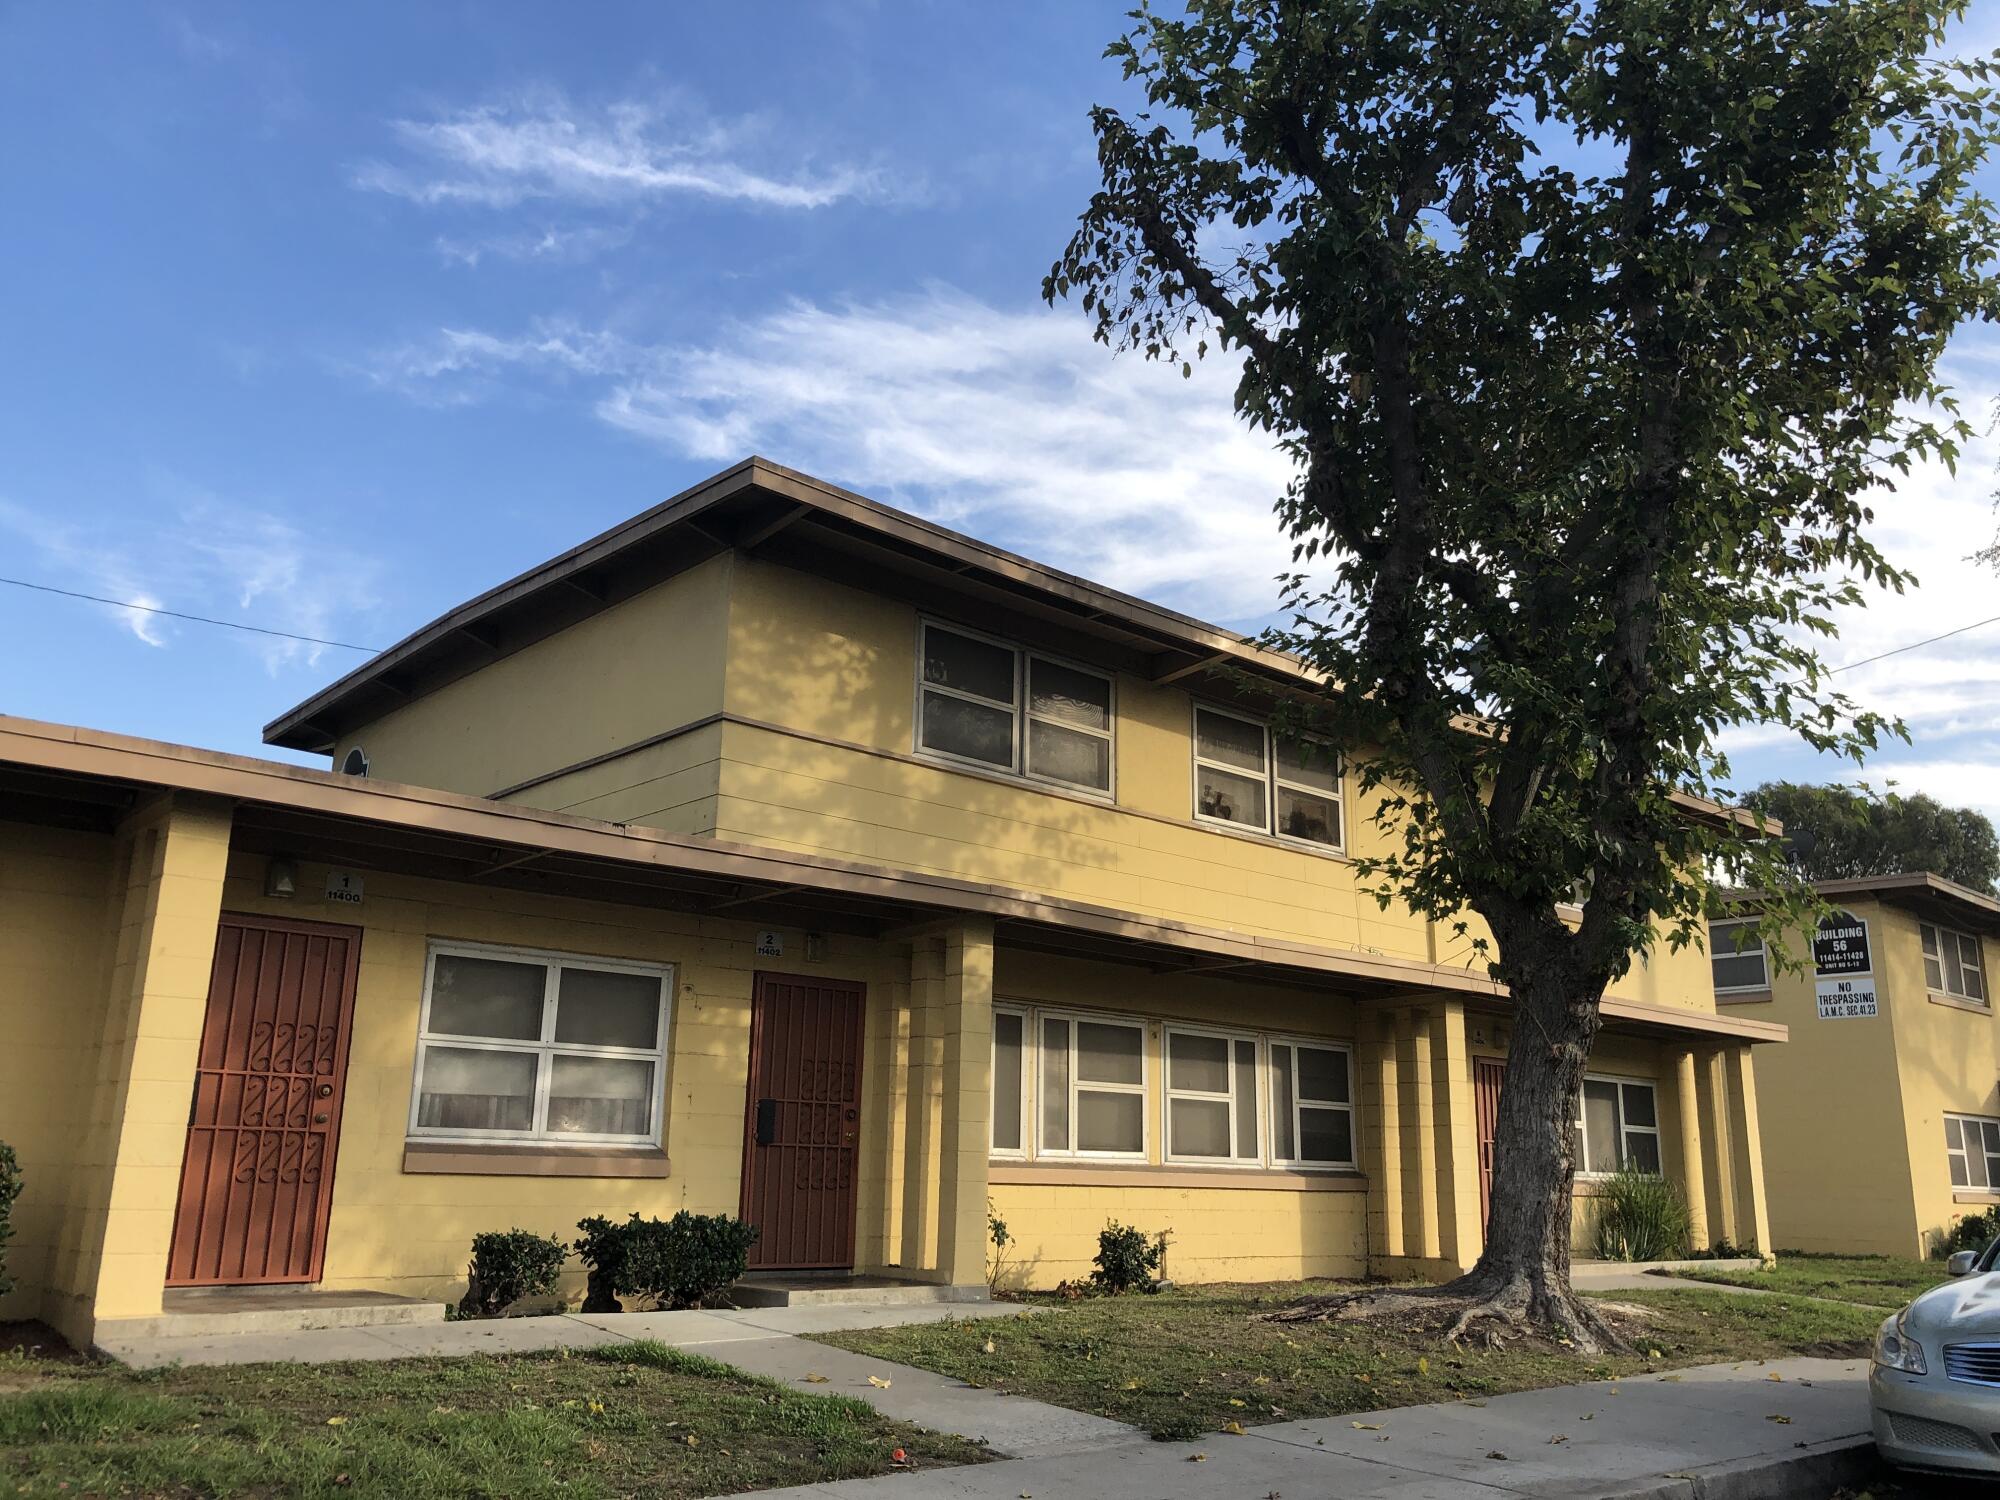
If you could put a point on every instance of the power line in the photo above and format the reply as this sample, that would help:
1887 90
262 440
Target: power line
154 609
1927 641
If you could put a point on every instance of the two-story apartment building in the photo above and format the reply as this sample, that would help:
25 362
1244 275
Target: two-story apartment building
1881 1116
775 852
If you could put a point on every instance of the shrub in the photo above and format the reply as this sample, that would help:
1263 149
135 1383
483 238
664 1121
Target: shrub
678 1262
1973 1232
1002 1238
1126 1258
10 1189
1641 1216
507 1267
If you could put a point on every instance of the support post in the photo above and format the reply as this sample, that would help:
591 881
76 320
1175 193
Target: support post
1694 1180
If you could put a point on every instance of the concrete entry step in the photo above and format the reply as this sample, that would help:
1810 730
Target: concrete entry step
833 1291
203 1312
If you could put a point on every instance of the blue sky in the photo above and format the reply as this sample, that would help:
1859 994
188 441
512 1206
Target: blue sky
324 319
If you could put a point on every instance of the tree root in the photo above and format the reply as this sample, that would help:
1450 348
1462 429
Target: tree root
1482 1313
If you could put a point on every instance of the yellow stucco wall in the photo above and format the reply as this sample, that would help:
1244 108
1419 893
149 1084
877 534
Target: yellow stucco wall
1852 1109
54 890
643 666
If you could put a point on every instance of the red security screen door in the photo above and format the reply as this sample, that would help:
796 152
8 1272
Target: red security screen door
257 1175
1486 1077
801 1126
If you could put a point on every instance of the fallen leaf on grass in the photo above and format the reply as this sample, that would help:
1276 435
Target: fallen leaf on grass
1130 1385
1423 1365
880 1382
336 1421
1233 1427
987 1346
1234 1402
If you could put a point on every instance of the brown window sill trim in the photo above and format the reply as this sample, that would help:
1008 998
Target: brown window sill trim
1973 1195
1746 997
1037 1175
476 1159
1939 997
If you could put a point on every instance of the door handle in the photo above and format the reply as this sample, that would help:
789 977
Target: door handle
767 1121
320 1118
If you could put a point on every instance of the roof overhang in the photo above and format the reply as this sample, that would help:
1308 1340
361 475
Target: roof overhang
1925 894
89 779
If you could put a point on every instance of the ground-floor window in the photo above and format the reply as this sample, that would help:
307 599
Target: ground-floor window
1224 1097
522 1046
1972 1146
1617 1127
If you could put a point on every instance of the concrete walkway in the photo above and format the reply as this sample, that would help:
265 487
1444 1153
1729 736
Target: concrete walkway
1709 1433
763 1341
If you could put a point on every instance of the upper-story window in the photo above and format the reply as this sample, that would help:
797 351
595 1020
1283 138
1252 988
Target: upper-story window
985 703
1736 955
1248 776
1951 963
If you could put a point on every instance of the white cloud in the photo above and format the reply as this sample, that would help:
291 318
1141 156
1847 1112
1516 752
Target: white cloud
551 246
541 146
209 557
1011 424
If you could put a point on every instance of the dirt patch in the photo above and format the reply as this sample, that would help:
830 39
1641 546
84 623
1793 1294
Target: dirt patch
32 1340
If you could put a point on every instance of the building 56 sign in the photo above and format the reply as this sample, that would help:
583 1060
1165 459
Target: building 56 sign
1843 972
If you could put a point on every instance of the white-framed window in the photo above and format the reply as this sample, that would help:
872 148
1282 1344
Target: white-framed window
1972 1146
1951 963
1248 776
985 702
1312 1104
1617 1126
1091 1087
1737 957
1010 1082
519 1045
1211 1097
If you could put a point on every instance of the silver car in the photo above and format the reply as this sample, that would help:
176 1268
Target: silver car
1935 1380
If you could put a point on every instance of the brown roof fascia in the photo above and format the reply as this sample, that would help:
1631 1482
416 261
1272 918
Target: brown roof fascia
1903 889
94 753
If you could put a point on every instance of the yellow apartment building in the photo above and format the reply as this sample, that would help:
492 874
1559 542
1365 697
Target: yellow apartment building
775 853
1881 1118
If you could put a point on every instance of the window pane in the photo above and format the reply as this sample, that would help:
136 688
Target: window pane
1600 1125
1734 937
1933 973
1200 1063
1308 763
1303 816
605 1008
1325 1135
600 1096
958 661
1958 1172
969 729
1954 980
1991 1131
1975 1163
1108 1054
1110 1122
1200 1127
1929 936
1067 755
1639 1105
1006 1082
1740 971
467 1088
1281 1102
1231 741
1322 1075
1055 1085
1246 1101
487 997
1059 692
1951 1136
1224 794
1642 1150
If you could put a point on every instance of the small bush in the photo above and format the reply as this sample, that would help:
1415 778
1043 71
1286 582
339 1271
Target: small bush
10 1189
1127 1259
1973 1232
1641 1216
1003 1239
507 1267
676 1263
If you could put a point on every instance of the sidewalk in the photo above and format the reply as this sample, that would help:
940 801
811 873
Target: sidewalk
1708 1433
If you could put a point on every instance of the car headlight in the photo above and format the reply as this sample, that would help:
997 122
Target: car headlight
1896 1350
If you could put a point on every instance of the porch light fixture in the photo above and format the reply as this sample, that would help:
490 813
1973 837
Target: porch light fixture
281 878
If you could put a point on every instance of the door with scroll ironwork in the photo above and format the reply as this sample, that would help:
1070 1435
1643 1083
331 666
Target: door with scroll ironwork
257 1172
800 1137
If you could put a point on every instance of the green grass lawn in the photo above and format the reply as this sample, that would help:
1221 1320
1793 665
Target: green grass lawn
1877 1280
635 1419
1191 1360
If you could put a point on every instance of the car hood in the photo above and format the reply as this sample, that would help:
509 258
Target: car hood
1967 1307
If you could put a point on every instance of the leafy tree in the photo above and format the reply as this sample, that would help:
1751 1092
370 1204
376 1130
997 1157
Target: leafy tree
1585 444
1843 833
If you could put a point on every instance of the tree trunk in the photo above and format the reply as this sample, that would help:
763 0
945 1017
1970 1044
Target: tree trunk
1522 1276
